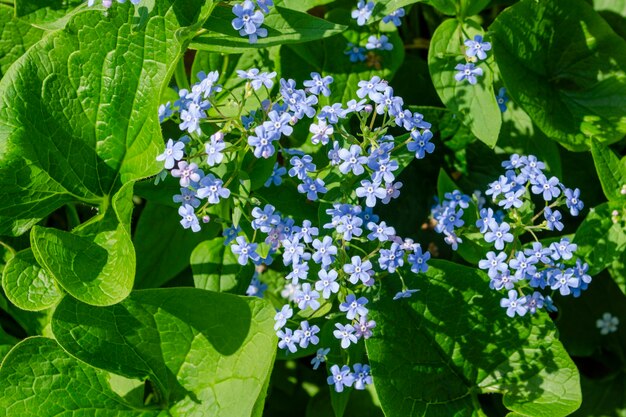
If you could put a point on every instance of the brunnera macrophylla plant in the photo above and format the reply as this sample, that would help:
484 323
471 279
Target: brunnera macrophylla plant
225 208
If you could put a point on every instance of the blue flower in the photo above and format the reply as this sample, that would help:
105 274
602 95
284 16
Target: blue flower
214 149
320 357
387 102
174 151
563 249
281 317
245 250
502 99
298 271
477 47
392 190
564 281
553 219
534 302
468 72
264 5
421 144
187 173
293 250
306 232
230 234
359 271
262 142
340 377
318 85
345 334
353 106
331 113
276 177
279 123
381 231
363 12
383 170
324 251
523 266
371 191
391 258
381 43
352 160
362 376
307 334
312 187
549 188
187 196
499 233
165 111
248 19
212 189
321 132
394 17
512 199
300 166
263 79
539 253
457 199
502 185
364 328
327 283
514 305
353 306
404 294
306 297
287 340
189 219
418 260
355 52
264 219
494 263
573 202
371 88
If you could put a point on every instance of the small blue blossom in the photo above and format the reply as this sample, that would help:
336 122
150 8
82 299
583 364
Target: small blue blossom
514 305
371 192
352 160
420 143
404 294
248 20
553 219
214 149
187 196
418 260
189 219
293 250
301 166
298 271
262 142
320 357
381 231
363 12
362 376
174 151
534 302
318 84
548 187
345 334
307 334
371 88
165 111
307 297
502 99
230 234
279 123
573 202
355 52
312 187
244 250
331 113
327 283
564 281
392 190
364 328
281 317
391 258
477 47
287 340
512 199
494 263
340 377
321 132
264 219
394 17
563 249
324 251
468 72
353 306
187 173
212 189
380 43
306 232
264 5
359 271
276 178
499 233
539 253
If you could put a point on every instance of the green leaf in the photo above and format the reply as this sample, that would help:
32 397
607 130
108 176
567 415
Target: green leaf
206 353
601 238
573 87
462 339
16 36
75 127
27 285
462 8
162 245
39 379
476 105
301 5
611 171
46 14
284 26
215 268
615 6
96 262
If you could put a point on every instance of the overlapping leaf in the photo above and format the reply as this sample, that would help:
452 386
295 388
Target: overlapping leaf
462 340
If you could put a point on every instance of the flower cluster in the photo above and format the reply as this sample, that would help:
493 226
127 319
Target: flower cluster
338 262
514 267
475 49
248 19
363 15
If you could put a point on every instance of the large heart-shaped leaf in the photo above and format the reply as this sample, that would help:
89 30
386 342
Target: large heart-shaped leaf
39 379
215 268
16 36
475 104
73 126
611 171
462 339
574 86
206 353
